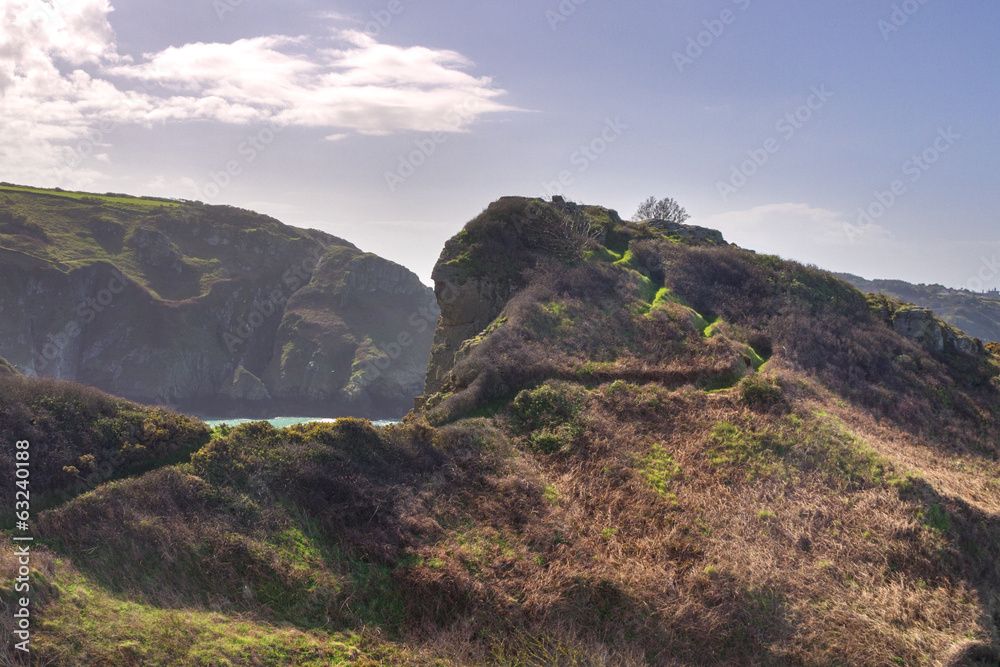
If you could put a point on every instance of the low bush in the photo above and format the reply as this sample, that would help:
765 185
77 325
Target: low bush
80 437
762 392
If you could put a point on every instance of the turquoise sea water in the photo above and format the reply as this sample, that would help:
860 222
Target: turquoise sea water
284 422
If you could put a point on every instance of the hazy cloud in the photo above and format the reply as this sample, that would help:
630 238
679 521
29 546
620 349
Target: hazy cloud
816 235
791 229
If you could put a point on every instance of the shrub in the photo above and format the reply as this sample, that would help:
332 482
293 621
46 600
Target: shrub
762 393
548 406
81 436
549 416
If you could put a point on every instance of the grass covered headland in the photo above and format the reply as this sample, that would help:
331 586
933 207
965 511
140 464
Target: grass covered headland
639 445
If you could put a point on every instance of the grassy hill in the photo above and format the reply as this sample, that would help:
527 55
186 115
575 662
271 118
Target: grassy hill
976 314
653 448
202 307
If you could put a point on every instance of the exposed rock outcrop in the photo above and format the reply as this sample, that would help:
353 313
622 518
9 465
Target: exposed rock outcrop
359 333
481 268
922 326
687 231
978 315
466 310
245 386
154 248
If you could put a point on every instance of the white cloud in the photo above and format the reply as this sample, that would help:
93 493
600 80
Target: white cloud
333 16
64 84
362 85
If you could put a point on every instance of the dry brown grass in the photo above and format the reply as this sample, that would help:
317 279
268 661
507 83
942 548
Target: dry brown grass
501 554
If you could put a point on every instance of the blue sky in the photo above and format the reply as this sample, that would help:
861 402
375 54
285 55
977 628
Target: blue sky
393 122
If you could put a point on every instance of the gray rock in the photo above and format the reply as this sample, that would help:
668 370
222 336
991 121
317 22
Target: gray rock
922 326
688 231
246 386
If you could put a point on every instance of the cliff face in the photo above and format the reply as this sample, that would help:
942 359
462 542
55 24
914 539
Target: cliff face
360 330
923 327
467 307
211 309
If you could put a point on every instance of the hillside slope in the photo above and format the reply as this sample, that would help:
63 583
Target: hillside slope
80 438
208 308
637 445
976 314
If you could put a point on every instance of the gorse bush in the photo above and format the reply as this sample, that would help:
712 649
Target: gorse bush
549 415
81 437
547 406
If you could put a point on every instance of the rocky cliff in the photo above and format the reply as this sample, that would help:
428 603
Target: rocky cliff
212 309
497 254
924 327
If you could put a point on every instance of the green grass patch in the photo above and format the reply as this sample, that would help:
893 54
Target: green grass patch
756 360
663 295
121 201
601 254
935 517
627 260
659 468
818 444
709 329
88 625
711 385
665 298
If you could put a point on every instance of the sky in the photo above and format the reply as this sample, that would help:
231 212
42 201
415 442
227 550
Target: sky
859 136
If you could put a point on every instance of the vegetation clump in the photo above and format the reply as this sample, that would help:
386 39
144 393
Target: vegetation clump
549 415
661 209
81 437
762 393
